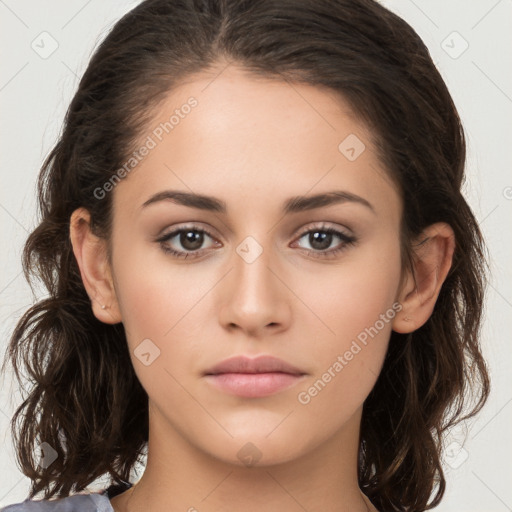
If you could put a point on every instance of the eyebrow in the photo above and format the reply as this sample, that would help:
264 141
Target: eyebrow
292 205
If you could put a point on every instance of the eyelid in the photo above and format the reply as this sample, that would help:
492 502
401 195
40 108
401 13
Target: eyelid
347 239
192 226
321 225
196 226
188 227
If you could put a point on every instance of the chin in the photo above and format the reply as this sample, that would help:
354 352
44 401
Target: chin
257 445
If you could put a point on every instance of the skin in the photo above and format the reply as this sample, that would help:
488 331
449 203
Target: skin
255 142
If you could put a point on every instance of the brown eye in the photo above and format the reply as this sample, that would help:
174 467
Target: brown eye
189 241
320 239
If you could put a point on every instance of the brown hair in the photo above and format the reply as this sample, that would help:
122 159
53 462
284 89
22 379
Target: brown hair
86 401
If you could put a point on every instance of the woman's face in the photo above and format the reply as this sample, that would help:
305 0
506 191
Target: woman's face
259 276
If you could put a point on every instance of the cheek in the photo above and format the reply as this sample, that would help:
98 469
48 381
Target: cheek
356 307
348 298
162 315
346 365
155 294
164 333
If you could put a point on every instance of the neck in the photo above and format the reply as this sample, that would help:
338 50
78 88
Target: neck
181 477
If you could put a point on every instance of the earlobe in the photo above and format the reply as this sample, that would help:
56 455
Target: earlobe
91 257
433 256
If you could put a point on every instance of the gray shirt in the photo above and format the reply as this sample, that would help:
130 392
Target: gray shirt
92 502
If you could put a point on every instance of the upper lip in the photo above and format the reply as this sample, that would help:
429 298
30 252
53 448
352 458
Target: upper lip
261 364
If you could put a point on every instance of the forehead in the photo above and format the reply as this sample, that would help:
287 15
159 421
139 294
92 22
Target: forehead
254 139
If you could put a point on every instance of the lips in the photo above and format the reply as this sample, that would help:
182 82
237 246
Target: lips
253 378
262 364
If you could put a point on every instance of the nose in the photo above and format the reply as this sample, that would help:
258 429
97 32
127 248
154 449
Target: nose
255 298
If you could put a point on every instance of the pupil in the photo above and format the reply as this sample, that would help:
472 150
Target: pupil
191 240
324 238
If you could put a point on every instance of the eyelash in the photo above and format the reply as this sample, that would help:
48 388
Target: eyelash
347 240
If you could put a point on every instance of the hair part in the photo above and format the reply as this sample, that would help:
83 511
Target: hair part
85 400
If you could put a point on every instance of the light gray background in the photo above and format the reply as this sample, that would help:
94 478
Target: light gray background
35 89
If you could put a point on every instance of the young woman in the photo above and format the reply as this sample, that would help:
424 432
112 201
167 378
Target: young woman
262 273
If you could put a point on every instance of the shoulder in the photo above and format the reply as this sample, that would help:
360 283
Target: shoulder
91 502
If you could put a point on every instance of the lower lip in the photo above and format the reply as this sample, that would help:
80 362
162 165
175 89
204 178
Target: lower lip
253 385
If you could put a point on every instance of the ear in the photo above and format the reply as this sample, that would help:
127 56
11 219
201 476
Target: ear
433 255
91 256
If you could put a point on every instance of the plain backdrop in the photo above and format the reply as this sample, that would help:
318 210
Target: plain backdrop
45 49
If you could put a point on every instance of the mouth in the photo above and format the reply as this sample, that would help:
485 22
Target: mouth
253 378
